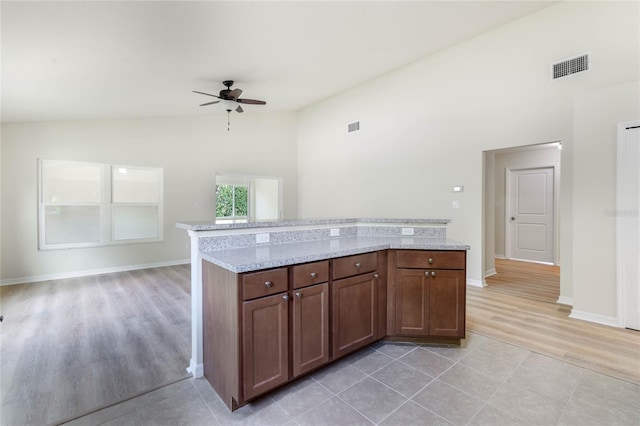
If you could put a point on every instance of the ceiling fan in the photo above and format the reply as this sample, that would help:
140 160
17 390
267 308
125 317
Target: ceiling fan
231 98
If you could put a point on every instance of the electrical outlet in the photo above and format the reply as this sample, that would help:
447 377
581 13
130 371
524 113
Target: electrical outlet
262 238
334 232
407 231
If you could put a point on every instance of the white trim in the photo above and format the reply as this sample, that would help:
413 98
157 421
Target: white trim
622 128
565 300
476 283
499 256
597 318
196 364
196 370
490 272
87 272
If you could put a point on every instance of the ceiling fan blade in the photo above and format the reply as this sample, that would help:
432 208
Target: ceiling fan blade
239 109
233 94
210 103
208 94
250 101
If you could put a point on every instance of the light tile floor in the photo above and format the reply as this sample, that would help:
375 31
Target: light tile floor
482 382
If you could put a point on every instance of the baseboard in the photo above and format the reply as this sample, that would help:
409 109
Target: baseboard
499 256
85 273
564 300
475 283
196 370
597 318
490 273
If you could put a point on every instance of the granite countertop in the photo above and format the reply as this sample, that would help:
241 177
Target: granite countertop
212 226
273 255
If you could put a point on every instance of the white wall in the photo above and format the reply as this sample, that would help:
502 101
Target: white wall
596 117
425 126
189 149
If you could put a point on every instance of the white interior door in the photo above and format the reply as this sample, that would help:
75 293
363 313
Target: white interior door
531 214
265 198
629 231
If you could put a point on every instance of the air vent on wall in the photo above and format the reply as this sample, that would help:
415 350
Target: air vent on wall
571 66
353 127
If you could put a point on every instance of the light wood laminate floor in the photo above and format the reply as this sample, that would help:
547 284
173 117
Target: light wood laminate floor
70 346
518 306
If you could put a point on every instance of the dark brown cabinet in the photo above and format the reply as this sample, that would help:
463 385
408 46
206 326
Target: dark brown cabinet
263 329
310 317
265 343
429 290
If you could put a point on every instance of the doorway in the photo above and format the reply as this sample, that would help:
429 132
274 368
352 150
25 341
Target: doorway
628 227
521 227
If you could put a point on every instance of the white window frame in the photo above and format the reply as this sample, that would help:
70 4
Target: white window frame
106 209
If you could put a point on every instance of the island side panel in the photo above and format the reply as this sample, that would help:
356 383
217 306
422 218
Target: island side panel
221 344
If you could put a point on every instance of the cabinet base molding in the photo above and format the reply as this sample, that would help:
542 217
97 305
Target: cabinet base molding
440 341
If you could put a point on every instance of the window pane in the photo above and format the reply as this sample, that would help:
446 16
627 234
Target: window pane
135 222
224 200
72 224
71 182
241 200
131 185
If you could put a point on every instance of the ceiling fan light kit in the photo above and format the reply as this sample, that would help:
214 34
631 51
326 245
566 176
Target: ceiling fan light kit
230 99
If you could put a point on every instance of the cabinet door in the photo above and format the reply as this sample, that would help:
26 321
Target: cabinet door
412 302
265 344
310 328
354 302
447 303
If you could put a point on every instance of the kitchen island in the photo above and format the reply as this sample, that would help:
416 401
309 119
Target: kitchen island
274 301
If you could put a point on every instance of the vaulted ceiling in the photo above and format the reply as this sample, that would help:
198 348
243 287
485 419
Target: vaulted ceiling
101 59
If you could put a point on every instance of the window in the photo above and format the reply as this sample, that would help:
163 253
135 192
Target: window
90 204
247 198
231 202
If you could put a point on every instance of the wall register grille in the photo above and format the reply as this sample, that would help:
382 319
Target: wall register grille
571 66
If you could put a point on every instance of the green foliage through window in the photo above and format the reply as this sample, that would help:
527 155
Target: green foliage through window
231 201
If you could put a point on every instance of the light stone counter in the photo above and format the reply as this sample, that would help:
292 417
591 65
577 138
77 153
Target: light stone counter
273 255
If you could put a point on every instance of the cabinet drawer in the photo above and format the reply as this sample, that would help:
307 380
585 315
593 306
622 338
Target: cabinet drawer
354 265
310 273
264 283
430 259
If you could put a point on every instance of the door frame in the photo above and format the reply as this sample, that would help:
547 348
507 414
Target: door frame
556 208
622 128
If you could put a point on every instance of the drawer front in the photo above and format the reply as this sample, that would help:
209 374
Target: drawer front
264 283
354 265
310 273
431 259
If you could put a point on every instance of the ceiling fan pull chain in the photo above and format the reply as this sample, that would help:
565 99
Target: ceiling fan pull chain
228 119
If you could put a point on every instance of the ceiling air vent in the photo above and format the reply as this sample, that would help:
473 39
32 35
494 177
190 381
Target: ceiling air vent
571 66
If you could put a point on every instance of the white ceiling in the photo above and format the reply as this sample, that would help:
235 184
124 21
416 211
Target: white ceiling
88 59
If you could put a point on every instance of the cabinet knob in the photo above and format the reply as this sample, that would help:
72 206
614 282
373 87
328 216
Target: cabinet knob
268 284
298 294
433 273
357 265
285 297
426 273
314 275
430 261
376 275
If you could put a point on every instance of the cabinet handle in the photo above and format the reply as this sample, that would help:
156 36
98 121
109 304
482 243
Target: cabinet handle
314 275
426 273
285 297
268 284
430 261
357 265
433 273
298 294
376 276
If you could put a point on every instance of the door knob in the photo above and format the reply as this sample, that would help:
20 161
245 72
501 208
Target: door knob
513 218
